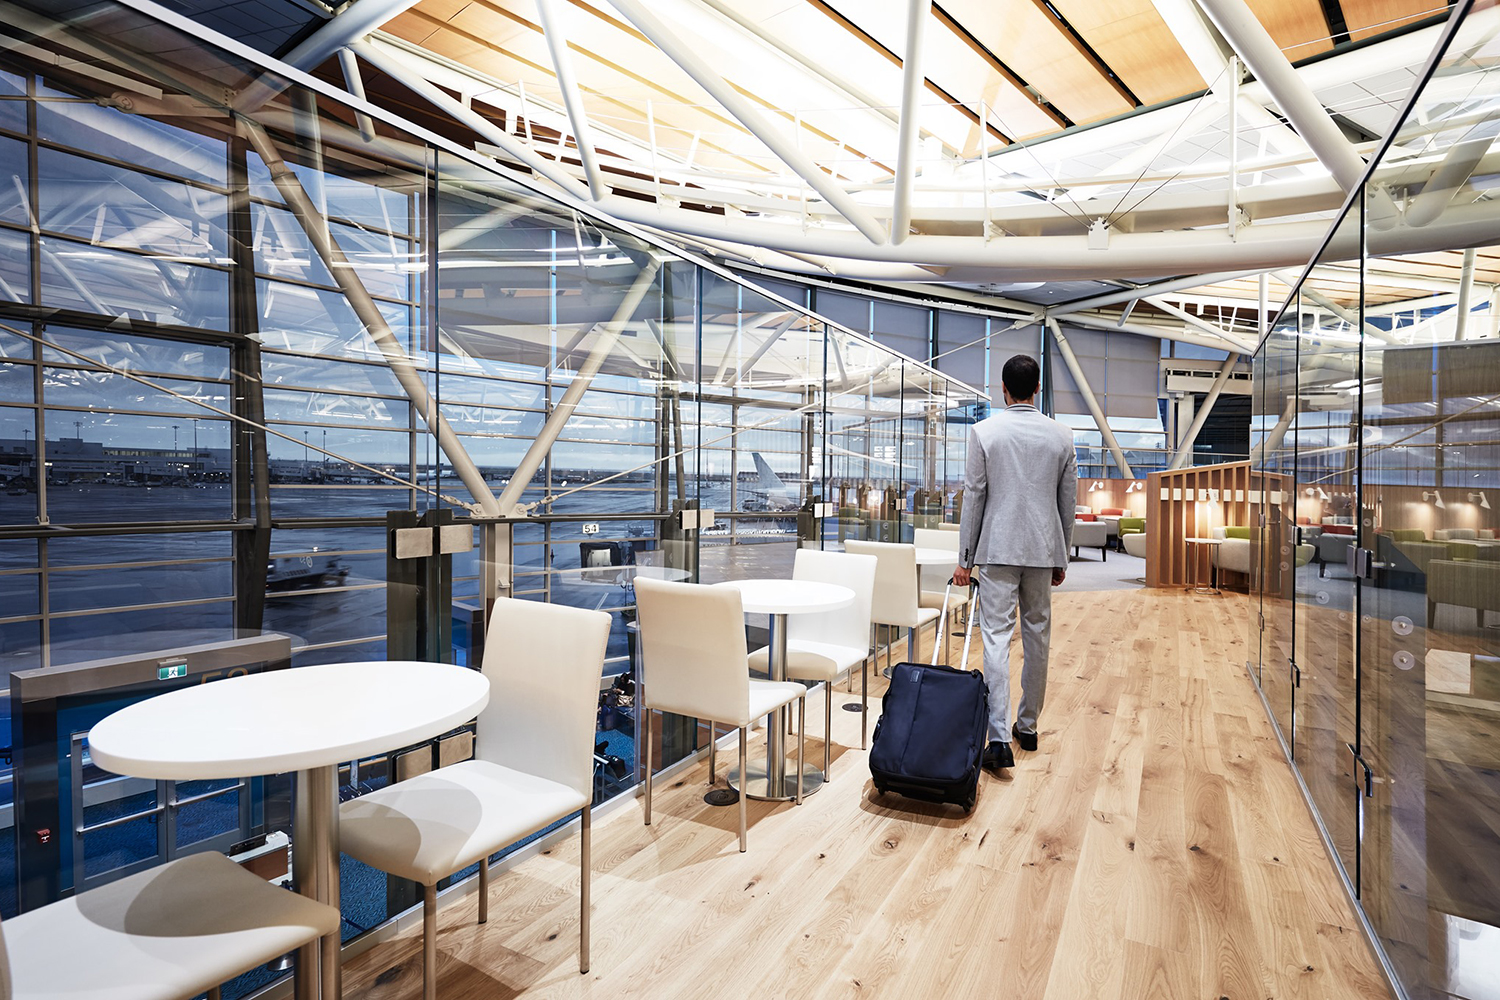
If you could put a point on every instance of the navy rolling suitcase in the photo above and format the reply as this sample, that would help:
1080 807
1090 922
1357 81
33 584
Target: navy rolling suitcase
932 729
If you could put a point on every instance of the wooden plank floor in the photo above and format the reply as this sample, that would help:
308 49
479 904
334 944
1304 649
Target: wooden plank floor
1154 846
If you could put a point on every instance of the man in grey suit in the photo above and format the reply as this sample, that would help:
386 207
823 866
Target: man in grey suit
1020 488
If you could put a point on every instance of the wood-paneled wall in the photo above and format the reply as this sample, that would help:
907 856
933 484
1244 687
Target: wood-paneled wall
1099 493
1190 503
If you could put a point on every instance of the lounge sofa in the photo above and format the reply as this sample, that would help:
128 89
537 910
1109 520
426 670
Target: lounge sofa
1467 583
1333 547
1092 535
1234 553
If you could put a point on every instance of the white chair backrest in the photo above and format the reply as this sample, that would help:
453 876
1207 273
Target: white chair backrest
1219 533
848 626
947 526
935 578
895 581
544 662
693 651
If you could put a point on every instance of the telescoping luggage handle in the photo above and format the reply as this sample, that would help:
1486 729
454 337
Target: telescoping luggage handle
968 624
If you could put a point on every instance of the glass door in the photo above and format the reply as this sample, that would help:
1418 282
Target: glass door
1323 675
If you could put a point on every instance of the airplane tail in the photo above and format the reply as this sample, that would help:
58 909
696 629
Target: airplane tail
766 479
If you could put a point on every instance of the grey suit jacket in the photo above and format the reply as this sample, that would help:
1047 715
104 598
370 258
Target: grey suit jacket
1020 488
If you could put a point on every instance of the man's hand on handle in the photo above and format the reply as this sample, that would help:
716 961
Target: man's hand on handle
961 576
1058 576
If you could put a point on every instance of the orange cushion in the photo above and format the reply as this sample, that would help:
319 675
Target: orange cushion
1114 511
1085 517
1338 529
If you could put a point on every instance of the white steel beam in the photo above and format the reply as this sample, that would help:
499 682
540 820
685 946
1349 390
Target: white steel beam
858 96
1111 325
737 105
315 226
397 69
1185 450
355 84
1465 287
1273 440
1349 316
917 14
609 334
1244 347
355 22
1100 420
554 29
1240 27
1155 288
1452 173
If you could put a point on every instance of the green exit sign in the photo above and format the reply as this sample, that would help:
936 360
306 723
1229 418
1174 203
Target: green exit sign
169 669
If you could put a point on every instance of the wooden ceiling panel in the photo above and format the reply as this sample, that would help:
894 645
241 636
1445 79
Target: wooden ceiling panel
1133 40
1366 18
852 51
1297 26
494 26
1032 44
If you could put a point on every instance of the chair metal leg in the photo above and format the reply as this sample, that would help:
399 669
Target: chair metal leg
585 877
827 730
647 736
713 752
484 889
864 701
946 625
429 942
911 645
744 799
801 743
215 993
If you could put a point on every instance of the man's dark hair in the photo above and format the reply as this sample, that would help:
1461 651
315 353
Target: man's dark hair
1021 375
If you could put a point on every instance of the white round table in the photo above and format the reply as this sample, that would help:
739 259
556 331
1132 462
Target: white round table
936 557
303 719
780 598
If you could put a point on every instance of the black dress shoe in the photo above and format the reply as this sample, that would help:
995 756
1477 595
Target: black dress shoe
1027 740
996 756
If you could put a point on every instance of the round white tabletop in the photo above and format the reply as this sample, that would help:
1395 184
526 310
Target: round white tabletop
287 720
932 557
790 597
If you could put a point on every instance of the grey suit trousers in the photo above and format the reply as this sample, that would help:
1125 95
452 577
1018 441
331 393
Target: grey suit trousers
1002 589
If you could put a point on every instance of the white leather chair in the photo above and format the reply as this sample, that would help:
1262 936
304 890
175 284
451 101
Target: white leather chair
934 582
533 765
820 647
1090 534
897 596
168 933
694 662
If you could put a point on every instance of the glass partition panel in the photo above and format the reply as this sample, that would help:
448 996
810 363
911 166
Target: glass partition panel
1325 434
272 330
1396 432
